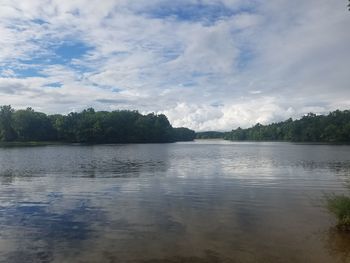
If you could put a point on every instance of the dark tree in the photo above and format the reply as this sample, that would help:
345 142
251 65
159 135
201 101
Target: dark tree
210 135
334 127
183 134
7 133
88 126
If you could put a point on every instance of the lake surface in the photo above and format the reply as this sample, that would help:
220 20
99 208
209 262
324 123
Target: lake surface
203 201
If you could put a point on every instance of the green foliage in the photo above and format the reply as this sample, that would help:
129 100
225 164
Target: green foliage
210 135
7 132
183 134
334 127
339 205
88 126
32 126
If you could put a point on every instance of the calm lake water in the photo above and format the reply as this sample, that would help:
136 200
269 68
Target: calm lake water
203 201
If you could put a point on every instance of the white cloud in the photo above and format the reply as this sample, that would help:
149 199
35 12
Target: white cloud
259 62
244 113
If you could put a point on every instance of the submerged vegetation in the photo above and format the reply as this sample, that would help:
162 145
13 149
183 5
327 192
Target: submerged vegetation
339 205
88 126
334 127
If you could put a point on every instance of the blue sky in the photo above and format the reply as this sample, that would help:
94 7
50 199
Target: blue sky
206 64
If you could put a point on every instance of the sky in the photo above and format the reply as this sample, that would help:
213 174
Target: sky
206 64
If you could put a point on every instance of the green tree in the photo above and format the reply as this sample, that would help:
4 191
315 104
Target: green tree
334 127
87 126
7 132
32 126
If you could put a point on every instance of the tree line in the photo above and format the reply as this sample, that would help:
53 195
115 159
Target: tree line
89 126
334 127
210 135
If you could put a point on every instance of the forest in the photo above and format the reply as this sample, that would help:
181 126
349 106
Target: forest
210 135
334 127
88 126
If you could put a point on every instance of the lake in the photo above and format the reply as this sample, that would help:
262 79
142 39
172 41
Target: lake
203 201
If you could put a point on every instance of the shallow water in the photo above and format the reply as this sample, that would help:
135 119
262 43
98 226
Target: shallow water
203 201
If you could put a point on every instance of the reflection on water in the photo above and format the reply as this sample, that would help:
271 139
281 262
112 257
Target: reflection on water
206 201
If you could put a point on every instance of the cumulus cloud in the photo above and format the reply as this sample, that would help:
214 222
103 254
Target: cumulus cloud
244 113
211 64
